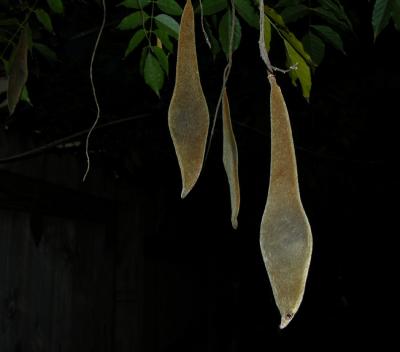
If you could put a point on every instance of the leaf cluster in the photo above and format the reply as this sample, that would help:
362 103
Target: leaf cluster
155 24
304 29
384 11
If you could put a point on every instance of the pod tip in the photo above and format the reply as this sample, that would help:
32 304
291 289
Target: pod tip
285 320
234 223
184 193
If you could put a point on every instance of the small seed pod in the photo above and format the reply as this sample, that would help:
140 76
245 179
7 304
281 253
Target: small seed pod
230 159
188 116
286 239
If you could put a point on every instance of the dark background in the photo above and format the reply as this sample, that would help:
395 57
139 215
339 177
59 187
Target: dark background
182 278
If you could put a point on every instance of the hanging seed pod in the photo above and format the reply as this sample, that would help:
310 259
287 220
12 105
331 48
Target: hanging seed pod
230 159
188 116
18 74
286 239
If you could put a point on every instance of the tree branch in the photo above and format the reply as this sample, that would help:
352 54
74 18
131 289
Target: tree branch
39 150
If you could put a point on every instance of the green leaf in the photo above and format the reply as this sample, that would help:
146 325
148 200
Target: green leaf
143 56
162 58
135 4
136 39
330 36
288 37
25 96
56 6
44 18
215 47
211 7
170 7
169 24
18 70
267 33
247 11
339 21
302 74
133 21
45 51
336 8
381 15
396 14
294 13
153 73
224 30
165 40
314 46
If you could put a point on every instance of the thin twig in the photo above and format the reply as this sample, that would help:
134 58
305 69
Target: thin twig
35 151
151 24
103 23
295 66
225 76
146 33
202 24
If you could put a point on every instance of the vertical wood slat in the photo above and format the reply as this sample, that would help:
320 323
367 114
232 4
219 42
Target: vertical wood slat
129 282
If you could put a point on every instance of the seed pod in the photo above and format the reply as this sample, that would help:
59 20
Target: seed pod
18 74
286 239
230 159
188 116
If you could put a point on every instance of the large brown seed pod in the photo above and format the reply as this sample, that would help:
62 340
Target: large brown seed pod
18 74
188 116
230 159
286 239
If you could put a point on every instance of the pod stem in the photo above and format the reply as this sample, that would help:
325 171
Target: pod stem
225 75
261 41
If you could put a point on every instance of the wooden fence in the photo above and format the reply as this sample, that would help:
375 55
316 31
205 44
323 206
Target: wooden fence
103 266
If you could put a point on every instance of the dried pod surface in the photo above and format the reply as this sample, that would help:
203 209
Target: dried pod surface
188 116
18 74
230 159
286 239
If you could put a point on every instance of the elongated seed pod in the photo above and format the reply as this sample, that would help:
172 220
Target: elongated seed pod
18 74
286 239
188 116
230 159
